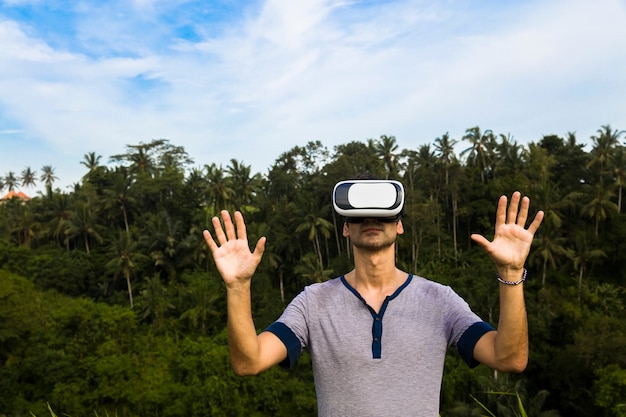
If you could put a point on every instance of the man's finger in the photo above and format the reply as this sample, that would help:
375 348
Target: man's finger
501 211
260 247
209 240
522 216
219 232
513 208
480 240
241 226
536 222
228 225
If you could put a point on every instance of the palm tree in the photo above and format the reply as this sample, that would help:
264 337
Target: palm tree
308 269
28 178
203 301
243 185
125 257
169 248
141 157
119 196
48 177
315 225
429 182
27 224
58 211
548 252
550 246
600 207
92 162
427 171
82 223
354 157
385 149
154 302
539 167
603 146
10 181
584 256
510 155
444 149
619 174
479 153
20 220
219 192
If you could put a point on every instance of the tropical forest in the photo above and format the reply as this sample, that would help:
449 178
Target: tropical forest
111 305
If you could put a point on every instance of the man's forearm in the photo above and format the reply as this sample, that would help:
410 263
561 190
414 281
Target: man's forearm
242 338
511 343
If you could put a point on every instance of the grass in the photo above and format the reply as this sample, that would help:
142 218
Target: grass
522 411
53 414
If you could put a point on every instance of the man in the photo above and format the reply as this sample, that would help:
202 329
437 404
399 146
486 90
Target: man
378 335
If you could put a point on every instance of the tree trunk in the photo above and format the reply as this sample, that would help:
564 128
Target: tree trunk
125 220
543 274
580 280
454 214
130 290
318 249
282 286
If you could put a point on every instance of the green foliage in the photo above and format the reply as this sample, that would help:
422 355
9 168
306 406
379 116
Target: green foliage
73 263
610 390
83 356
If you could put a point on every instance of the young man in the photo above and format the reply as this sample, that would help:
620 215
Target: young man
378 335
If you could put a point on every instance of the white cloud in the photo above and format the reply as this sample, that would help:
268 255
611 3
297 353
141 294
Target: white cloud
315 70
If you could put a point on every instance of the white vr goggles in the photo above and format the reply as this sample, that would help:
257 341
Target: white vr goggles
362 199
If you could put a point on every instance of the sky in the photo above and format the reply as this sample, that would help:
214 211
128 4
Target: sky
249 80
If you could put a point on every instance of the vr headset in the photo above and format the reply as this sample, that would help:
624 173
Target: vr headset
357 200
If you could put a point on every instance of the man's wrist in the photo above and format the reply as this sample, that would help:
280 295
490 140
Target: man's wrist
238 287
508 281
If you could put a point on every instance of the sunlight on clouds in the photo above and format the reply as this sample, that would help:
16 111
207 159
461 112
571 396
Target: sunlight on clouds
281 73
17 45
538 58
287 22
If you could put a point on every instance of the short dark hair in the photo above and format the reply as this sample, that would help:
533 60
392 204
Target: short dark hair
365 176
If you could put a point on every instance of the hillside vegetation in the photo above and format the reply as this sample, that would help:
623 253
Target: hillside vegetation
110 302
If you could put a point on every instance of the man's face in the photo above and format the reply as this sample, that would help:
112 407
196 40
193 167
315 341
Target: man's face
372 234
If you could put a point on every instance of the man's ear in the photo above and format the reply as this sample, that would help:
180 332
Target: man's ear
346 232
400 227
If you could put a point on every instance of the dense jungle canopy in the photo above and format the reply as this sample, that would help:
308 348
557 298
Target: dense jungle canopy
110 302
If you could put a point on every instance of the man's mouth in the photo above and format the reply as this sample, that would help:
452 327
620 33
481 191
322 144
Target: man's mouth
372 229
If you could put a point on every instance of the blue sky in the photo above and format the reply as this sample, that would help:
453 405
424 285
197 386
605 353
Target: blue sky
249 80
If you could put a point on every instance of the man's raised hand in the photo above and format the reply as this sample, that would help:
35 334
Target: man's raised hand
233 258
512 240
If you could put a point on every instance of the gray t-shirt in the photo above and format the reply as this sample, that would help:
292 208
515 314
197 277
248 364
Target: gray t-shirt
388 363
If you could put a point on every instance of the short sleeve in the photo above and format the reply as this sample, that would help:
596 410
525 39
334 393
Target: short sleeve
468 341
292 329
289 339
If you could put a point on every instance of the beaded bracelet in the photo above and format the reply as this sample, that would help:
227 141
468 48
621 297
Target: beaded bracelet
524 275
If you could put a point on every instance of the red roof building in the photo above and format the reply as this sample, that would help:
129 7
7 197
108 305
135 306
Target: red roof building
12 194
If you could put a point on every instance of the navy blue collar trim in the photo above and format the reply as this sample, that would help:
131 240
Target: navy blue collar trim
391 297
377 323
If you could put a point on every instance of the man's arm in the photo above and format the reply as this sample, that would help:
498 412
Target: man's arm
250 354
507 348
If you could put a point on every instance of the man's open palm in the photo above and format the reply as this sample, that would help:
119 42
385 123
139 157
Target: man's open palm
233 258
512 240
